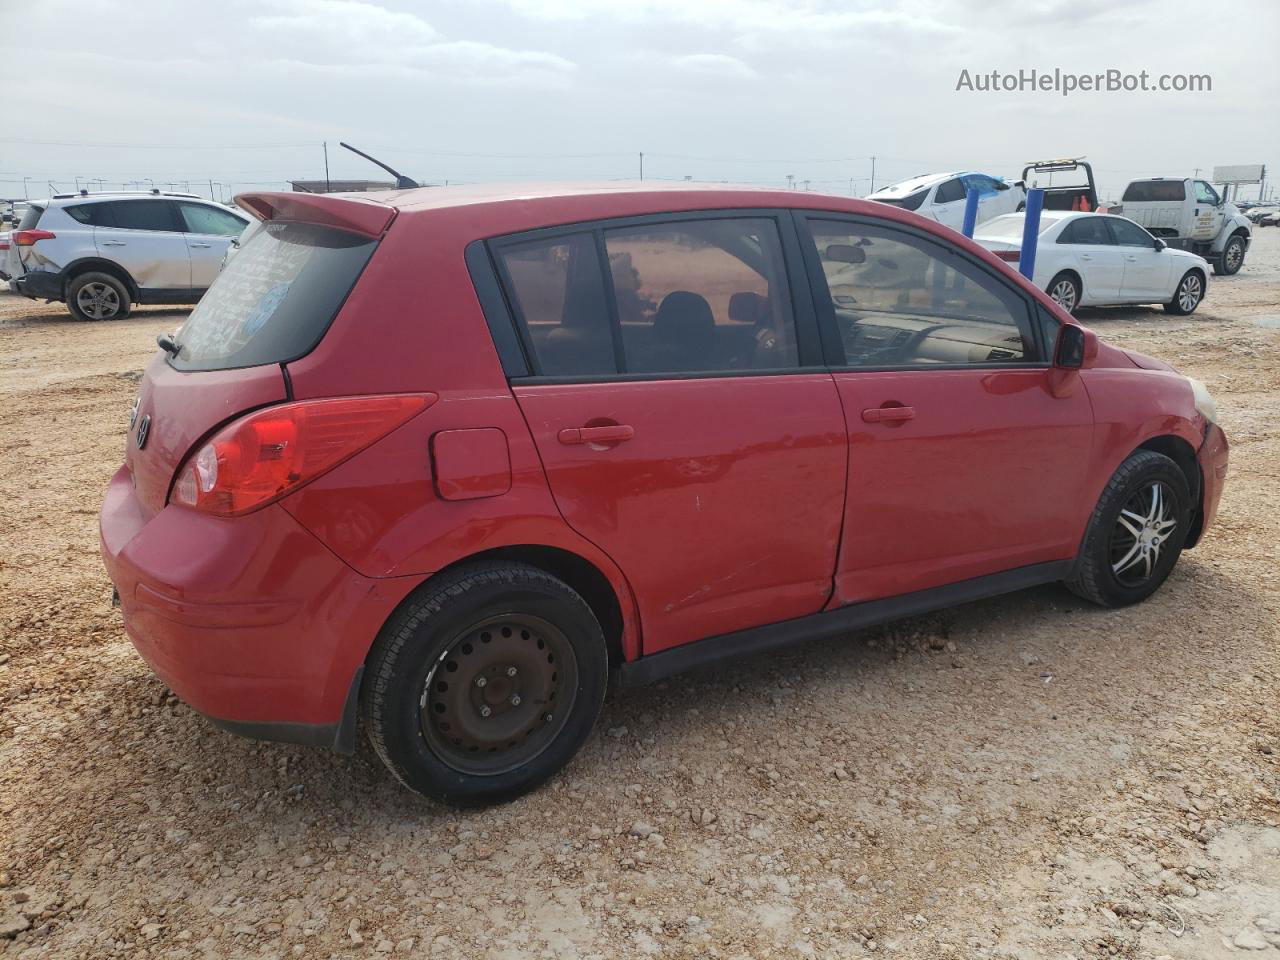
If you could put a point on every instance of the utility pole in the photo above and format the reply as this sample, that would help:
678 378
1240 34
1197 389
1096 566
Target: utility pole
211 196
326 166
873 174
641 164
791 181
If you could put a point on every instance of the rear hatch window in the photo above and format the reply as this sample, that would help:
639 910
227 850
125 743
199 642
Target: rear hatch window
30 218
1154 191
275 297
909 202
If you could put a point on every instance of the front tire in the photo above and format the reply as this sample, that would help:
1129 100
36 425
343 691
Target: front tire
1064 290
1136 532
486 684
1187 295
95 296
1231 259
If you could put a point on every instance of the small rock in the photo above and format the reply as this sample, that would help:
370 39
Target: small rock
617 732
13 924
341 843
384 946
303 861
150 931
1248 939
640 829
405 945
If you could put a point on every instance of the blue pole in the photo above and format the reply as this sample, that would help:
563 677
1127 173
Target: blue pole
970 212
1031 233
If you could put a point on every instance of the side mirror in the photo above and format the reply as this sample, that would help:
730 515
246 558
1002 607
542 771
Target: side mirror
1159 244
1075 345
845 253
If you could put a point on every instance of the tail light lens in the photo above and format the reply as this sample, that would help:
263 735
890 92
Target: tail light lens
261 457
27 238
1008 256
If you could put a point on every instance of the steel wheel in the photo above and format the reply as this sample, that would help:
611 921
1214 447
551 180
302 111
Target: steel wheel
1064 294
1146 523
1233 257
499 694
98 301
1190 290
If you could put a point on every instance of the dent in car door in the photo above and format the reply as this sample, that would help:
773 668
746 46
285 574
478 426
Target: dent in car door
712 471
962 460
144 236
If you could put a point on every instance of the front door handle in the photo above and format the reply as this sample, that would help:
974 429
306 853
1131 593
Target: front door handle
202 244
1132 259
615 433
888 414
114 243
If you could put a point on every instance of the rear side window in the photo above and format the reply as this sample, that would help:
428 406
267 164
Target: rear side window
558 293
31 218
275 298
140 215
1153 191
92 214
911 201
1091 230
949 192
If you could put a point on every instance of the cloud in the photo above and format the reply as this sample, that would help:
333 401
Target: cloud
745 17
357 38
713 65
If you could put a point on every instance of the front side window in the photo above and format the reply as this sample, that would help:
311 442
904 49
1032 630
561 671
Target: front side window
1129 234
1087 230
140 215
702 296
1206 194
197 218
902 300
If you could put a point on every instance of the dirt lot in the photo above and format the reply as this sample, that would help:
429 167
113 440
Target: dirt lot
1024 777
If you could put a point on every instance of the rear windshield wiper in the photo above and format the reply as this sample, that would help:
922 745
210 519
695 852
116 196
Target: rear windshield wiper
168 343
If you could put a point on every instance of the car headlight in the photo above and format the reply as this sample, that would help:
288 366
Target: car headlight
1204 400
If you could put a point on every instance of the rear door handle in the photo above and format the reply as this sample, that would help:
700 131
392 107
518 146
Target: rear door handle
888 414
1086 256
114 243
1132 259
611 434
202 244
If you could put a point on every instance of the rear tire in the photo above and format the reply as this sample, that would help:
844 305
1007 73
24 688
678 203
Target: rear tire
1133 540
1064 290
485 684
95 296
1188 295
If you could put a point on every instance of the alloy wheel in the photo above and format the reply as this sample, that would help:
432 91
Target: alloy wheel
499 694
98 301
1064 294
1189 292
1143 529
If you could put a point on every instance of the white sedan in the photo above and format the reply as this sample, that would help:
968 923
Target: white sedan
1096 259
942 196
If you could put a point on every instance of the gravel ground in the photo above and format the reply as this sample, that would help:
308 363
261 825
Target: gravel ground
1023 777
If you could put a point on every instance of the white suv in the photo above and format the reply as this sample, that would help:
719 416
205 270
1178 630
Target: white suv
101 253
942 196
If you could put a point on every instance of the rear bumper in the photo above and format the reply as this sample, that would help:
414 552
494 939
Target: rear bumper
1213 459
251 620
40 285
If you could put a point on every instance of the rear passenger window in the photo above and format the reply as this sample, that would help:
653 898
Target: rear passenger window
1087 230
559 298
949 192
699 296
901 300
142 215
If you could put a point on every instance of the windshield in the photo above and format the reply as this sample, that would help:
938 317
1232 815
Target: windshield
909 202
274 299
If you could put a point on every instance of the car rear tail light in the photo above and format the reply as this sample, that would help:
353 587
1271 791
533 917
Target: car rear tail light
1009 256
265 455
4 244
27 238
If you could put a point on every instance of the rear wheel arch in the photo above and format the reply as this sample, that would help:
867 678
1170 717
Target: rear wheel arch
95 265
579 573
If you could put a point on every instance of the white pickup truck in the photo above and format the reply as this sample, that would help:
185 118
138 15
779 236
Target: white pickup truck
1190 215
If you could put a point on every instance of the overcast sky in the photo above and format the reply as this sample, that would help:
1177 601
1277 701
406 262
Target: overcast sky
244 93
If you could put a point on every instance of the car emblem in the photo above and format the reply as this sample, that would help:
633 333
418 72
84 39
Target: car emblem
144 428
133 411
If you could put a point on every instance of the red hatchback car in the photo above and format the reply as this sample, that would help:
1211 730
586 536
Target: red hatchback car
448 459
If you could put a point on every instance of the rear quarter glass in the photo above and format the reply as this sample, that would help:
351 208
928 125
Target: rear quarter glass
31 218
275 298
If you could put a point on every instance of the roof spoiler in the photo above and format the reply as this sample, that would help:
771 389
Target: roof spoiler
353 214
